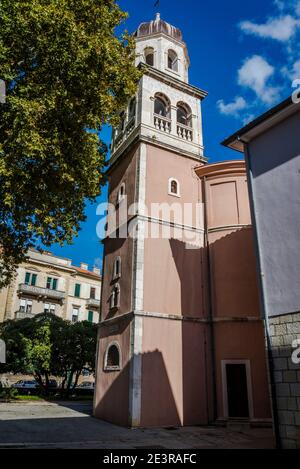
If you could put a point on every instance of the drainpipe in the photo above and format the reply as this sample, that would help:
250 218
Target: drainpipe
263 302
209 301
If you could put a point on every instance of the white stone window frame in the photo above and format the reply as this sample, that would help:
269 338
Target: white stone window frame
132 104
51 307
144 55
249 385
26 304
112 305
112 368
176 72
167 102
189 112
170 187
116 274
121 197
75 308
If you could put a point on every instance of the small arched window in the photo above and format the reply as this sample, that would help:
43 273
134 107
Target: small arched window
161 105
112 359
115 297
117 268
174 188
121 192
172 60
149 56
184 115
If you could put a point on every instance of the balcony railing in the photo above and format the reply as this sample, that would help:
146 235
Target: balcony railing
162 123
23 315
119 139
185 132
92 303
41 292
130 125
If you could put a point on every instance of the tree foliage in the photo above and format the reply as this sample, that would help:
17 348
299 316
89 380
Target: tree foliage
47 345
66 71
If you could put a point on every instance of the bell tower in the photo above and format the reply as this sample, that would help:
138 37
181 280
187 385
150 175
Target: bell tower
166 110
151 367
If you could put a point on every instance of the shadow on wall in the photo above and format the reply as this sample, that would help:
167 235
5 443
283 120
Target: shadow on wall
113 246
189 268
159 407
196 359
233 293
234 285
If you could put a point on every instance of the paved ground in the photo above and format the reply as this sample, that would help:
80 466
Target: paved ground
70 425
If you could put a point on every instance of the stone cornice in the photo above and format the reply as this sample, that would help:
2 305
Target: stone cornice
223 168
172 81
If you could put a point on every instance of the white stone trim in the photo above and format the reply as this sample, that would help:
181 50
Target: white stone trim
138 293
121 196
249 385
112 368
170 187
136 372
176 317
229 227
112 297
115 274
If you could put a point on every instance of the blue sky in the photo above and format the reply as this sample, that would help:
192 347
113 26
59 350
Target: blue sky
245 54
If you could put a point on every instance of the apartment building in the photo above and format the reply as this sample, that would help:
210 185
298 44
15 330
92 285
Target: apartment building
51 284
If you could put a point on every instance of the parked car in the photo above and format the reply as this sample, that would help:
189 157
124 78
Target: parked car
52 383
25 384
86 385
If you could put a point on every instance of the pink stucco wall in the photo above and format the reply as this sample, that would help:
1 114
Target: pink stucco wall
123 172
243 341
163 165
174 371
177 363
237 325
111 400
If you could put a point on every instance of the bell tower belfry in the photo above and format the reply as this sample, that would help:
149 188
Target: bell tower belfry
167 109
153 324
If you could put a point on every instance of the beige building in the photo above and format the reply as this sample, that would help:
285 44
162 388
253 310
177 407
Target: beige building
47 283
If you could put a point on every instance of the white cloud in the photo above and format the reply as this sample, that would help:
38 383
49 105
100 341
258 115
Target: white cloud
282 28
280 4
296 70
255 74
98 262
232 109
291 71
248 118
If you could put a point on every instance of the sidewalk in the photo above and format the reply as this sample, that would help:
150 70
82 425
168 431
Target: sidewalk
70 425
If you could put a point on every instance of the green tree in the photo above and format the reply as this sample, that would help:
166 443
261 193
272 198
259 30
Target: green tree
28 347
66 71
47 345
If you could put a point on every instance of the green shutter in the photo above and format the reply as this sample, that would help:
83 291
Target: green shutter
27 278
90 316
77 290
54 284
49 282
33 279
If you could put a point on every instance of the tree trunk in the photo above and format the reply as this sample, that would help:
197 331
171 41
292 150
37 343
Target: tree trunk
76 379
69 382
39 379
46 384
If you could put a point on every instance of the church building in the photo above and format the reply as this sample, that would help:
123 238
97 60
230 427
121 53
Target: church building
181 338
